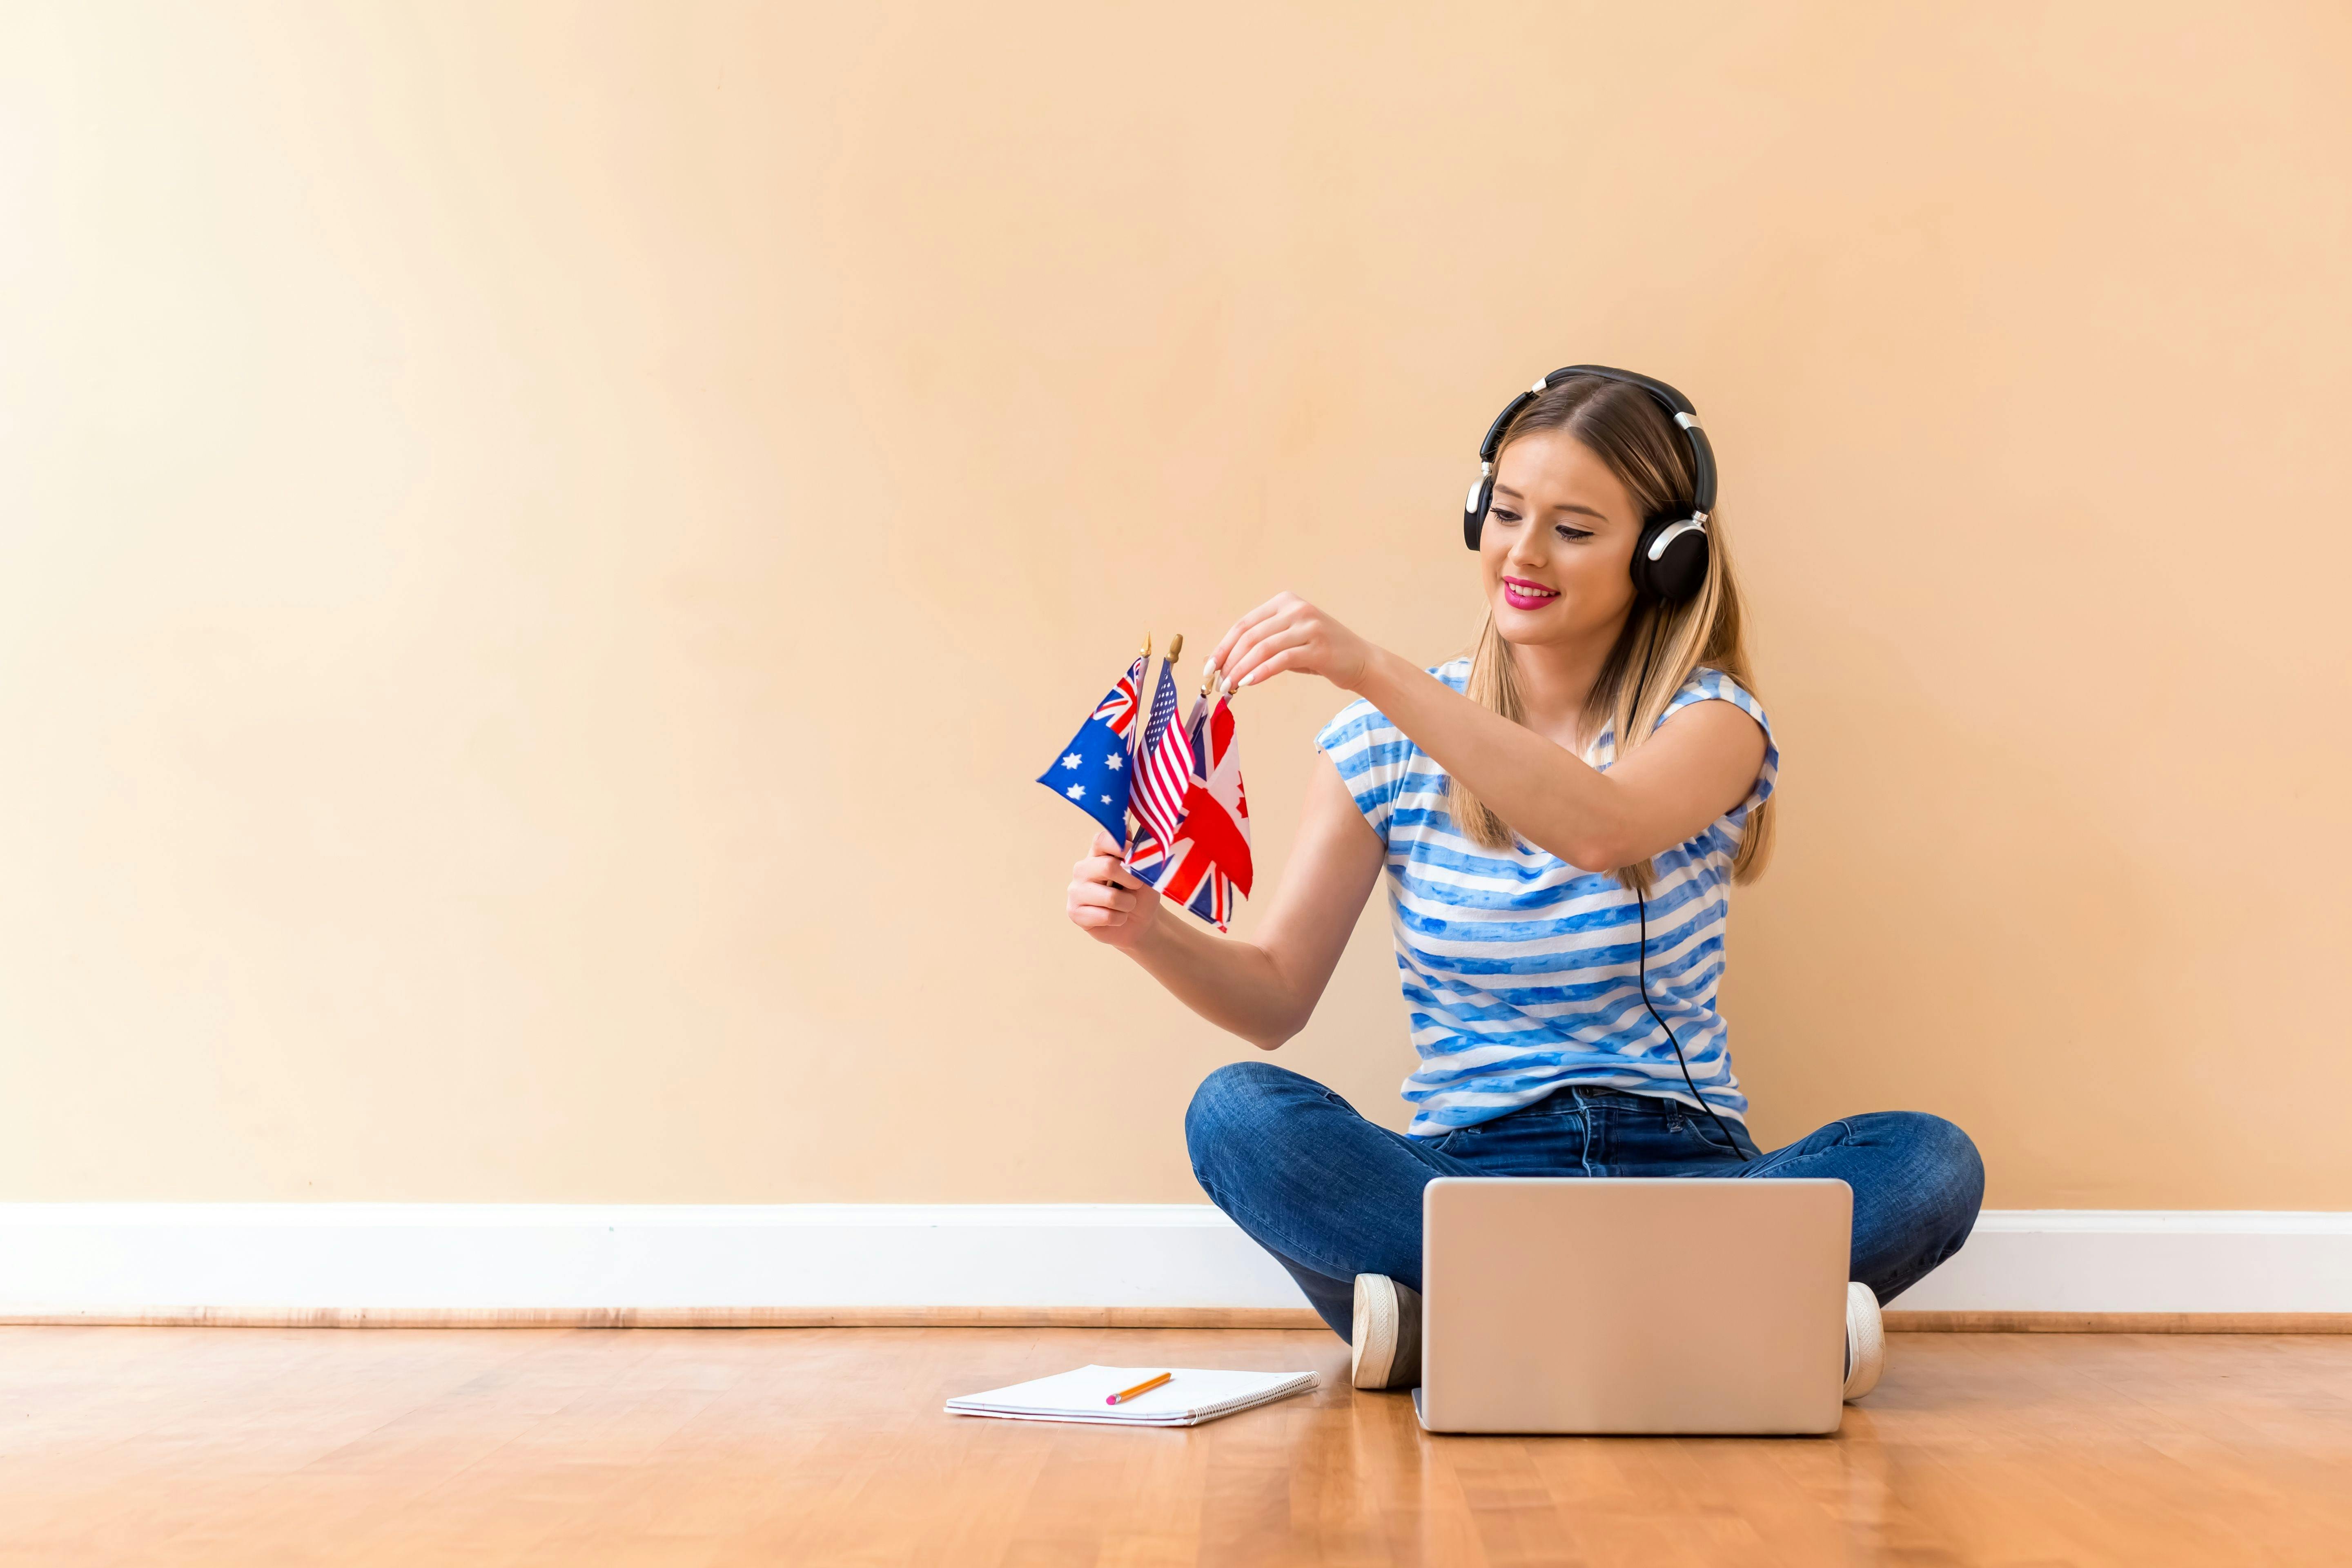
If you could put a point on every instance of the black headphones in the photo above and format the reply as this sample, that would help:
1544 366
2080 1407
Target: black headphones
1670 557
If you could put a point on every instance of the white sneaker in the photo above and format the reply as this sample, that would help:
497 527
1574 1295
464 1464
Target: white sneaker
1387 1334
1866 1337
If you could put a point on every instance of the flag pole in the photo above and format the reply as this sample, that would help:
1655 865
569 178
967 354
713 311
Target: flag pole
1135 743
1142 703
1175 652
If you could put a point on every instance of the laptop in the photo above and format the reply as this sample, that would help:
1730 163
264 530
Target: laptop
1642 1304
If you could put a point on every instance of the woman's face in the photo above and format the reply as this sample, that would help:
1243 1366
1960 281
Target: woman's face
1558 542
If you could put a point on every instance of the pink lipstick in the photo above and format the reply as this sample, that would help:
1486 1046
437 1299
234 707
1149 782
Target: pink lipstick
1522 595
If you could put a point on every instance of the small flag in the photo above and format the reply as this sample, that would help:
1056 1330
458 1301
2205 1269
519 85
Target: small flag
1163 765
1094 772
1205 865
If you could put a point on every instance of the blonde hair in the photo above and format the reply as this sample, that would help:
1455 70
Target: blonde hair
1662 644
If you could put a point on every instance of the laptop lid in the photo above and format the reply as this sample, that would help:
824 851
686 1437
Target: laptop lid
1637 1304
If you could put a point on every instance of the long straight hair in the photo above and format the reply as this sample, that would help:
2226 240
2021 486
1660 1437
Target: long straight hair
1661 645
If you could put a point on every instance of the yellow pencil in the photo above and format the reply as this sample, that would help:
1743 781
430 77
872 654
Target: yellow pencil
1146 1386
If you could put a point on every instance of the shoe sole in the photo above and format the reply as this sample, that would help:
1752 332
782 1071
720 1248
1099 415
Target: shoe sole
1865 1340
1374 1332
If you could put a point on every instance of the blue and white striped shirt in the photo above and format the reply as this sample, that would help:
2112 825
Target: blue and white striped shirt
1519 968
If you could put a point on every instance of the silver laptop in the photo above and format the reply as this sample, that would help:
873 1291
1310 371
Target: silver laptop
1681 1305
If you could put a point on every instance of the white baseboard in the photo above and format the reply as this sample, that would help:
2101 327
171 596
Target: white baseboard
102 1261
119 1258
2145 1261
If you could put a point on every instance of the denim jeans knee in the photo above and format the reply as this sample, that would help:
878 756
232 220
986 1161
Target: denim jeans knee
1235 1107
1943 1180
1952 1170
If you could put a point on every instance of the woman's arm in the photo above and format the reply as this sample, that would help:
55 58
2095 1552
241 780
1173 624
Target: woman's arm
1265 989
1699 764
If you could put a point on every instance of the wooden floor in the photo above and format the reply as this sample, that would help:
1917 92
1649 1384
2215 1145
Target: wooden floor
827 1446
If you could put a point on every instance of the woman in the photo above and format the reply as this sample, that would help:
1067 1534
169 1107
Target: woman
1558 894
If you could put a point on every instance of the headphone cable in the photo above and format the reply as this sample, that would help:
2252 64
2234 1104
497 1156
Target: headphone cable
1641 980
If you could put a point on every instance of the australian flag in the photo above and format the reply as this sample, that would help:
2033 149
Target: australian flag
1092 772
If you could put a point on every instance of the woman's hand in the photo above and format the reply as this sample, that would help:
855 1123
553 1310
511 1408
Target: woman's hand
1285 635
1105 900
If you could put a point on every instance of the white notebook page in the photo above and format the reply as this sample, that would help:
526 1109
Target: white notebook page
1191 1395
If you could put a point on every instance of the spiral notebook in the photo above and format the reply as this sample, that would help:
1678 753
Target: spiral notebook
1187 1399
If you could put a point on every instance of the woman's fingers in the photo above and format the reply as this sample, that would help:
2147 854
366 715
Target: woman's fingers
1251 664
1107 900
1248 645
1098 872
1285 634
1100 895
1234 634
1289 658
1104 867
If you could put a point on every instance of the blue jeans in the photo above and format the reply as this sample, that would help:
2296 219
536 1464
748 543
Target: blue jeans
1331 1195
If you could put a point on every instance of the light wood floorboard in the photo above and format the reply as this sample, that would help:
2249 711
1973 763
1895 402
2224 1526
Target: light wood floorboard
827 1446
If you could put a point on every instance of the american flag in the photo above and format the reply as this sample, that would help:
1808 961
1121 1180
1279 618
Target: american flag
1163 770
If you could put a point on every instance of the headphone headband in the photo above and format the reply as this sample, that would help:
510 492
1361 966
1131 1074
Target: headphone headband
1676 405
1670 558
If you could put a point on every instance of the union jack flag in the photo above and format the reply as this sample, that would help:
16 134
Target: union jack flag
1205 864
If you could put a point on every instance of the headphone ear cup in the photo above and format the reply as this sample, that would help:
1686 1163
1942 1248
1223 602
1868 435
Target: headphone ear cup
1680 568
1474 508
1638 568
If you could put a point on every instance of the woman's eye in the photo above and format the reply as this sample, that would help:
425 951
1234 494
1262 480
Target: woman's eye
1572 535
1502 514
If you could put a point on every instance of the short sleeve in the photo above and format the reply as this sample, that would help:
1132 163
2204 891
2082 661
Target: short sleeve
1371 755
1714 686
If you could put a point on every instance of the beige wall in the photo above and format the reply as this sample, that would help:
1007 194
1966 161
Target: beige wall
540 551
